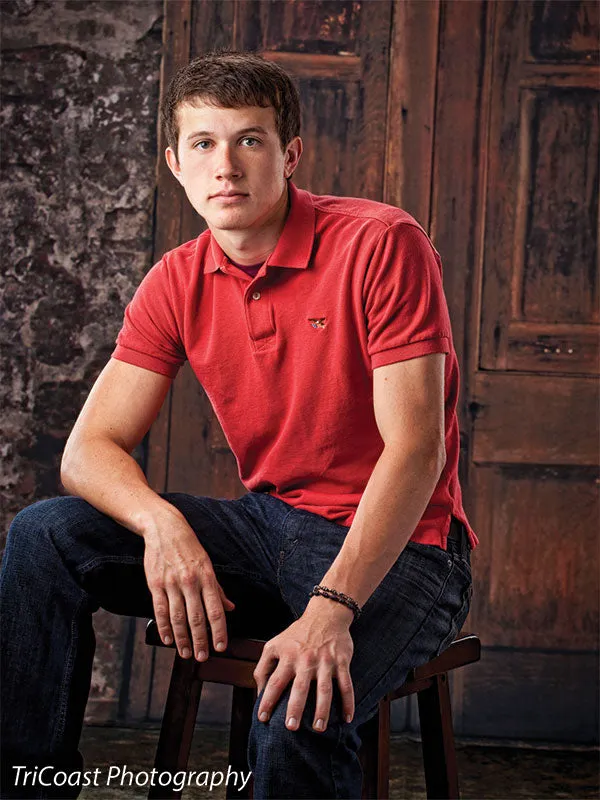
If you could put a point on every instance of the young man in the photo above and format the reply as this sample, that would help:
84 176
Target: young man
319 330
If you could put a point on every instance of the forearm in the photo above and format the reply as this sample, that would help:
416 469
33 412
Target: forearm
101 472
391 506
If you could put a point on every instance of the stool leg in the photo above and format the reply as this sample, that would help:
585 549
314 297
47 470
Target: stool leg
179 720
383 757
437 740
369 735
242 707
375 753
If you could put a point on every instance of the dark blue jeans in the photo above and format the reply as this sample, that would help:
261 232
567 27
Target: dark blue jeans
64 560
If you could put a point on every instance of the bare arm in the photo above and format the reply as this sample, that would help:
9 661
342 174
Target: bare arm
97 465
408 400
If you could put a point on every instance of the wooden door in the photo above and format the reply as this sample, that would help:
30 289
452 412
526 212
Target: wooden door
523 220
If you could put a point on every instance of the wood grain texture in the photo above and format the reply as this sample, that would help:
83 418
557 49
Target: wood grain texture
564 30
311 67
140 682
555 265
454 208
200 461
532 489
411 107
565 349
541 253
320 27
170 199
374 50
535 419
194 466
536 577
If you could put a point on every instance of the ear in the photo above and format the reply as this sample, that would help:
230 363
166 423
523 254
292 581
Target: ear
173 164
292 156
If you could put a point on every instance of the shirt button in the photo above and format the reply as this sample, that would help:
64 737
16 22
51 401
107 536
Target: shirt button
256 296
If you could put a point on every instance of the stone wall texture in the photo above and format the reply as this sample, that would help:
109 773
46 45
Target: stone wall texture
80 86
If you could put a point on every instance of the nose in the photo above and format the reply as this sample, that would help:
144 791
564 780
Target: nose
227 166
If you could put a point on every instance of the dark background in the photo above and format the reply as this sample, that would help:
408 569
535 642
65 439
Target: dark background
80 86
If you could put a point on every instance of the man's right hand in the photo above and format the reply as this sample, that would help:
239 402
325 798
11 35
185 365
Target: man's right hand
97 465
184 588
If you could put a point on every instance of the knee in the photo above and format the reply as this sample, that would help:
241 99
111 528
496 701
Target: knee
303 763
32 530
268 740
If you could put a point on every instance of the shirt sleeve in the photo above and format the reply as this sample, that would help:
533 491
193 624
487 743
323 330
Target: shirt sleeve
405 306
150 336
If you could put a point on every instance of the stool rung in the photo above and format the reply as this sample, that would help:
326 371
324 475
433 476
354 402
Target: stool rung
228 671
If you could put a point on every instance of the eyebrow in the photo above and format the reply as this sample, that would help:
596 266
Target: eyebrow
252 129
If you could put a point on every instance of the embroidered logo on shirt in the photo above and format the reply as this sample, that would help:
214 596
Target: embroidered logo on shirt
319 322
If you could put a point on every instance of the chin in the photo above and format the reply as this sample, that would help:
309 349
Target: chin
230 221
227 225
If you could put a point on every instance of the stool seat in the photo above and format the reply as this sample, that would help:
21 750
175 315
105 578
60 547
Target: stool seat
464 650
235 667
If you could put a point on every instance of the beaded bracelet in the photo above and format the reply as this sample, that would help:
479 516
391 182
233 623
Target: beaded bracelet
339 597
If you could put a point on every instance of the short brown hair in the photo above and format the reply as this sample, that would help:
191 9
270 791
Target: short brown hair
232 79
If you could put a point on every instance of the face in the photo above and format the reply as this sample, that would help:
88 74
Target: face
231 164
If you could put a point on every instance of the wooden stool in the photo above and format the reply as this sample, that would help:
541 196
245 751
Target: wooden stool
235 667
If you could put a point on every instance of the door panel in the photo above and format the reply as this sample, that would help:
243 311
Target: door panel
535 583
532 393
508 427
541 230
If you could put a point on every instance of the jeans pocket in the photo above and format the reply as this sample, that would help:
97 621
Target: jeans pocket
459 617
463 565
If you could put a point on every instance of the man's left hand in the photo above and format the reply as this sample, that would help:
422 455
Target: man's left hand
317 646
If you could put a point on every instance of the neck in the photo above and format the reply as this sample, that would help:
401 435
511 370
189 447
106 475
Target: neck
255 245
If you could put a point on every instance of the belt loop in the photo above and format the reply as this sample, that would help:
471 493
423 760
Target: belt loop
464 542
459 533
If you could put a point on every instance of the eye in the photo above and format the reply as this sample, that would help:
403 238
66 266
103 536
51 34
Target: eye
200 145
250 141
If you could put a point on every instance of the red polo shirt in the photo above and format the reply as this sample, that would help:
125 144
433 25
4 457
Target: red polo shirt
287 357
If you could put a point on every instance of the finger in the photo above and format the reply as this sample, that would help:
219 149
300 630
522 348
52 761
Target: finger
297 699
178 616
196 619
346 690
227 603
278 681
160 604
216 615
264 668
324 695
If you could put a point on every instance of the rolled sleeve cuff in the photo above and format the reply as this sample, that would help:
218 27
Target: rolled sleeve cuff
145 361
441 344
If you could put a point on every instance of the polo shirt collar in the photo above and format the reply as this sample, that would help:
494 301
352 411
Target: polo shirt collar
295 243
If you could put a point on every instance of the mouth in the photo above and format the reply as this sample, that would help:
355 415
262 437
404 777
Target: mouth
228 196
